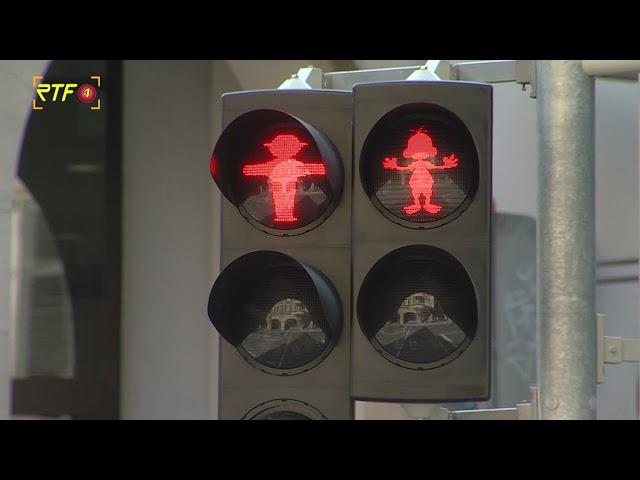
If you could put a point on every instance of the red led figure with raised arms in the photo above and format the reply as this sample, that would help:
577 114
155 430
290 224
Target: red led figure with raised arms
283 173
419 149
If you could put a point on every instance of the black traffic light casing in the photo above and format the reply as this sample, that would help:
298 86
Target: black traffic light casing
464 234
319 253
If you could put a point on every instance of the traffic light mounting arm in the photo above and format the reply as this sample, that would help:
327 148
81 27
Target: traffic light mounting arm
492 71
522 72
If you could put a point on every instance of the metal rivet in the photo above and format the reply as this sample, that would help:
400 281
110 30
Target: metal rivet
551 402
613 349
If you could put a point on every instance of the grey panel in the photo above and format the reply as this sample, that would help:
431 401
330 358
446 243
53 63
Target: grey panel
514 309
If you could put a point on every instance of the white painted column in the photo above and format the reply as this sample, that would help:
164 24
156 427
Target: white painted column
167 361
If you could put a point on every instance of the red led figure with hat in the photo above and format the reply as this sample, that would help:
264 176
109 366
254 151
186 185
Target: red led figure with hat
419 149
283 173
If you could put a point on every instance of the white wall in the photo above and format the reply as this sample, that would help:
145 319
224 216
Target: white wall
167 355
617 235
616 169
515 152
15 107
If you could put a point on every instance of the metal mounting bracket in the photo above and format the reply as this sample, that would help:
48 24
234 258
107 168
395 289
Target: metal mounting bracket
526 75
613 349
522 411
490 71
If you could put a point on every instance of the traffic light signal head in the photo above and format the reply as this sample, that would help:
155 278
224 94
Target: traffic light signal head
421 241
282 300
428 149
284 175
409 248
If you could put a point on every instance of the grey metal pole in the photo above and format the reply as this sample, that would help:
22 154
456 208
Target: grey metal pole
566 240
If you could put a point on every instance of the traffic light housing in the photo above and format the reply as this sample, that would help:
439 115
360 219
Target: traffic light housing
282 300
421 241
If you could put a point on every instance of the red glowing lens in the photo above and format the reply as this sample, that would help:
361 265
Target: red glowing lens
419 165
282 174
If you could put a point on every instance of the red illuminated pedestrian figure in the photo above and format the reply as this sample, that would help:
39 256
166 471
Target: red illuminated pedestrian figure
419 149
283 173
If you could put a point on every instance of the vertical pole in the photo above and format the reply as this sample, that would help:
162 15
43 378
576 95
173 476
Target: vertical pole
566 240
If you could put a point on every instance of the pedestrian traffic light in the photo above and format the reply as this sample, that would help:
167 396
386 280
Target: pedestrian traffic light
421 241
284 176
282 301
